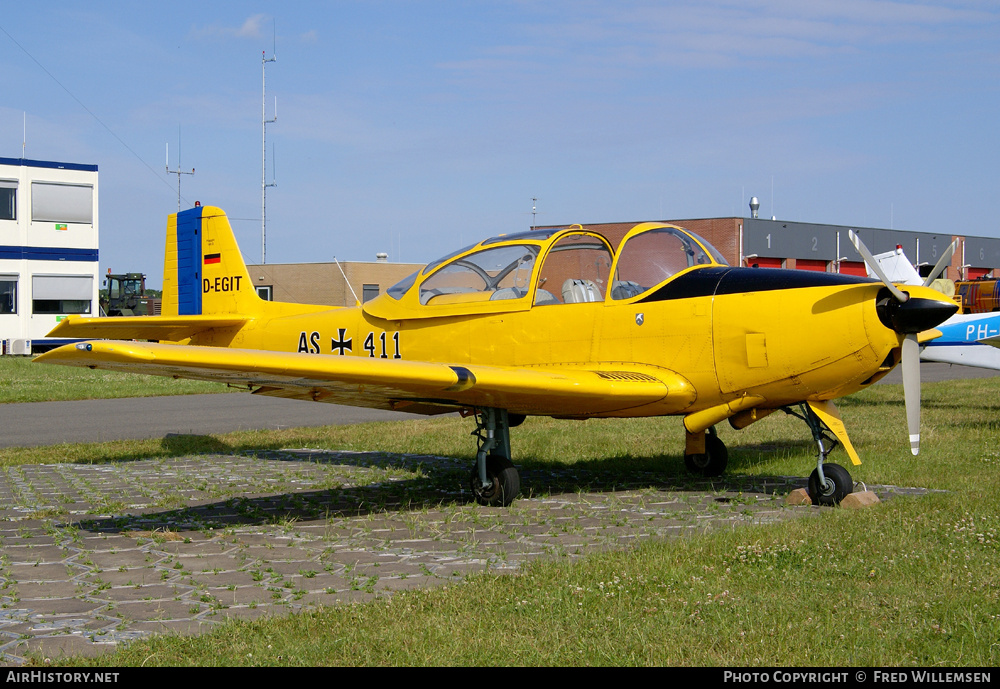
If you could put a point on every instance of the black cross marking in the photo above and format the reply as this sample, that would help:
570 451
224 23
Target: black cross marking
341 344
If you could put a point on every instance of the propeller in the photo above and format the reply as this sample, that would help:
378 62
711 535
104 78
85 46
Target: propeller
941 263
900 295
909 317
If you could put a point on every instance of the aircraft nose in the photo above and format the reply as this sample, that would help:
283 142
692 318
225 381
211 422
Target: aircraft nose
914 315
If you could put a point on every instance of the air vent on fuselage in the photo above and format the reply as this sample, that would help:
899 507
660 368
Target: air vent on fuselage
626 375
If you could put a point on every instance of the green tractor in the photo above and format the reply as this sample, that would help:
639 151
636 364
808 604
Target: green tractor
125 295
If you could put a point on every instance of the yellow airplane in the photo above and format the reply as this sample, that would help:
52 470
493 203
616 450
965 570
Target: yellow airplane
547 322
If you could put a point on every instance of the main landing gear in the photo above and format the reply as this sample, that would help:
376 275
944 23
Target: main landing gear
705 454
828 483
494 481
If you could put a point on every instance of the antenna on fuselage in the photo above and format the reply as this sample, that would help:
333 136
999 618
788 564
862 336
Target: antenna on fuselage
357 301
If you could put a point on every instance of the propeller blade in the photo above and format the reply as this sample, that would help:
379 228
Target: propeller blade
942 262
911 389
876 268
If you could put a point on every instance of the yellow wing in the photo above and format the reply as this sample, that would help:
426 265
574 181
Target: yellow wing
413 386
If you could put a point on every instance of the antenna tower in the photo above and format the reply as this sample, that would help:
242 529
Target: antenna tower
263 152
178 171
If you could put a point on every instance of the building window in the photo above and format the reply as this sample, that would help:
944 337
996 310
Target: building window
62 203
60 306
61 294
265 292
8 294
8 199
368 292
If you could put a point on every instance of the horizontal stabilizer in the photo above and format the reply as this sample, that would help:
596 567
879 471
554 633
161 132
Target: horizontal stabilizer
171 328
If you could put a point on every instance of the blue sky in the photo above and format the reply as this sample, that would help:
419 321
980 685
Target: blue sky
416 127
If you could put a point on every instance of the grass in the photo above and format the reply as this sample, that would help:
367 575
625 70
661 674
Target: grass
23 381
913 581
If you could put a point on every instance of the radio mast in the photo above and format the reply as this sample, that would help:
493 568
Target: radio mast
263 151
178 171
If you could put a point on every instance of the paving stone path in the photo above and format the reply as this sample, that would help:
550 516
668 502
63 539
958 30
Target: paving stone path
93 555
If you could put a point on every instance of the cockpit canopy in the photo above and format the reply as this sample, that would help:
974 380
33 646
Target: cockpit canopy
648 258
545 268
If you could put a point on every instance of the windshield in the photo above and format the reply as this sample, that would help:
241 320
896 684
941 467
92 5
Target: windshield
502 272
403 286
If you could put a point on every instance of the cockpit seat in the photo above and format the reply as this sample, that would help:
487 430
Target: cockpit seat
580 291
507 293
543 297
625 289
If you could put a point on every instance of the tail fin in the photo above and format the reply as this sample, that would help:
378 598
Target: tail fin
208 297
203 270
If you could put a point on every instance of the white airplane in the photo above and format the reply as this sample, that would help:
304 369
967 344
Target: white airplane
970 339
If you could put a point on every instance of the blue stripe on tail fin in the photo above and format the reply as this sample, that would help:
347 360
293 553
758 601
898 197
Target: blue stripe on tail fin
189 262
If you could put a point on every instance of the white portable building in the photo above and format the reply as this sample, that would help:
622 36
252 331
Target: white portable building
48 249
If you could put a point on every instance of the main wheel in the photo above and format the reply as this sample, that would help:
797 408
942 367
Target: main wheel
838 486
505 482
713 462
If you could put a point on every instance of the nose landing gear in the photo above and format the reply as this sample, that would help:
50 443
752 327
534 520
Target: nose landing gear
828 483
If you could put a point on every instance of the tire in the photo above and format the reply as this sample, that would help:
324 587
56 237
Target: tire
506 483
713 462
839 485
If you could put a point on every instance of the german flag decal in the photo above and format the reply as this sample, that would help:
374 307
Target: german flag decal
212 258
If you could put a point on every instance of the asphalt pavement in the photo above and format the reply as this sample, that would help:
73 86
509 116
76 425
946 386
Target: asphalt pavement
934 372
90 421
51 423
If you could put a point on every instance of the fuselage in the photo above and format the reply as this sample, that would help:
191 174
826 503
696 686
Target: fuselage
786 336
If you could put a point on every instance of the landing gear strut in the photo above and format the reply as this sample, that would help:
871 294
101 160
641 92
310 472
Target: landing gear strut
828 483
494 481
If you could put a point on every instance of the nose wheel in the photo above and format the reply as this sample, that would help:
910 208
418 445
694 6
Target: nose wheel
828 483
830 487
